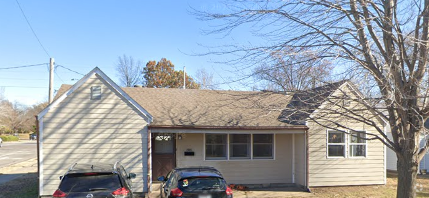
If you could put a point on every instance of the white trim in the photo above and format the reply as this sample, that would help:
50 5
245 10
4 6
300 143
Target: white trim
40 156
351 144
305 159
385 157
339 144
112 84
293 158
226 131
238 159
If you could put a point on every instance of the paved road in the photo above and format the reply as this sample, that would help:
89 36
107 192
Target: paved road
16 152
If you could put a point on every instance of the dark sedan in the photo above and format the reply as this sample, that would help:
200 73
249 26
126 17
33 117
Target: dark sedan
195 182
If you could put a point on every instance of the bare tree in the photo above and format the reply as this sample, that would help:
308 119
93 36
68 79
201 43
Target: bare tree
293 70
373 35
205 79
129 71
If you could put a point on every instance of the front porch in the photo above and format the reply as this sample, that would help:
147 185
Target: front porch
255 158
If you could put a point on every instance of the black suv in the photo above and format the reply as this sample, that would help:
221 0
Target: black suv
198 182
92 181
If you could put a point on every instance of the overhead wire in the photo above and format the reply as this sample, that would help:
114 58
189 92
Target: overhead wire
32 30
70 70
23 66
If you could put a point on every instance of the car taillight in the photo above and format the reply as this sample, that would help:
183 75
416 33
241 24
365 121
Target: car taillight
228 191
176 192
59 193
121 191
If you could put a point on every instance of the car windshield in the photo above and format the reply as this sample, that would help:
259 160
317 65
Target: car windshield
90 182
202 183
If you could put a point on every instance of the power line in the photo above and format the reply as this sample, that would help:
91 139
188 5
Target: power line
25 87
23 66
34 33
70 70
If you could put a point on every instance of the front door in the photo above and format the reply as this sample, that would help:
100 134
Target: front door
163 155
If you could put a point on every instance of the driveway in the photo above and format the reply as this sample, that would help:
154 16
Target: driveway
259 193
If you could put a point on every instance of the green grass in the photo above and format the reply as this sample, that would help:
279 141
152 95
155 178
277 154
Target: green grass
25 186
9 138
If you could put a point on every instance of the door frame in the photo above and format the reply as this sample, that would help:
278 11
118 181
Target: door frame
174 139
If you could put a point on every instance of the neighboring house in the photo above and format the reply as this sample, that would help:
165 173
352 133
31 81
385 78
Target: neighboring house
251 137
391 162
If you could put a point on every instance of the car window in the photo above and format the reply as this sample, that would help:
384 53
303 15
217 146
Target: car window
84 183
169 178
171 182
124 174
202 183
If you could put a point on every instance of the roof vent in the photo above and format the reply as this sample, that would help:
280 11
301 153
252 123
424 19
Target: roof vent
138 86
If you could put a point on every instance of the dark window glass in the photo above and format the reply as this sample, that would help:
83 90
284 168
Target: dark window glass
336 137
357 137
216 145
336 151
357 150
263 145
239 146
84 183
202 184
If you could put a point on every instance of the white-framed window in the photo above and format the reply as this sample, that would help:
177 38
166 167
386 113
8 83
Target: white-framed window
216 146
357 144
239 146
263 146
336 144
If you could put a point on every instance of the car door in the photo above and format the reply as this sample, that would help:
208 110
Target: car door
166 188
126 177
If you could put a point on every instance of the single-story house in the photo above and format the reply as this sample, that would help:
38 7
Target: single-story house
252 137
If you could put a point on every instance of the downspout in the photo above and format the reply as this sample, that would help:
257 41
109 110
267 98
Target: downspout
307 159
149 161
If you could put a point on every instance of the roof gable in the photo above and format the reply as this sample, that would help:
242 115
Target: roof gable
65 91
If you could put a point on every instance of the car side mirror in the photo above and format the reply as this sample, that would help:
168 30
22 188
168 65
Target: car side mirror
161 178
132 176
61 177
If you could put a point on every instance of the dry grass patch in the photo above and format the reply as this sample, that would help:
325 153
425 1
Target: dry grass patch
388 190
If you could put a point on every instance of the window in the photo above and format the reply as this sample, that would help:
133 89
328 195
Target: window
357 144
216 145
263 146
239 146
336 144
96 93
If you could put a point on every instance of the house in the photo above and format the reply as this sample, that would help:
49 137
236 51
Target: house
253 138
391 161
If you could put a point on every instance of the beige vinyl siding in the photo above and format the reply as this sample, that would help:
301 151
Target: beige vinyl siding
300 159
256 171
326 171
93 131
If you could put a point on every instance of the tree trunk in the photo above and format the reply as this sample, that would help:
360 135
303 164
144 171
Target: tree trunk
407 175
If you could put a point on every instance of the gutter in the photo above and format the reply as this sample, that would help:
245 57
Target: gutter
228 127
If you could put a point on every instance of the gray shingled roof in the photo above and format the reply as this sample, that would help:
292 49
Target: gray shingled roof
214 108
303 103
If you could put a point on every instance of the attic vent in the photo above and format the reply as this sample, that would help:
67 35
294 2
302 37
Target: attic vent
96 93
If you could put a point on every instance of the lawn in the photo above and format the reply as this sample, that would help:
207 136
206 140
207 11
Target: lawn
388 190
21 187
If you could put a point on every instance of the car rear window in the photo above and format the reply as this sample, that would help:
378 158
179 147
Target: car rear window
88 182
202 183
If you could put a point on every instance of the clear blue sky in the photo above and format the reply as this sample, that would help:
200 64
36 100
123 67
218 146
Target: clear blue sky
82 34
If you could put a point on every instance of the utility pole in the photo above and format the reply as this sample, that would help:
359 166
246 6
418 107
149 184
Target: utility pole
184 77
51 80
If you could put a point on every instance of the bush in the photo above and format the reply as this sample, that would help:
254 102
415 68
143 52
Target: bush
9 138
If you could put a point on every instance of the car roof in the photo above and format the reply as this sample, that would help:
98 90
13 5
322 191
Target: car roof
198 171
84 168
